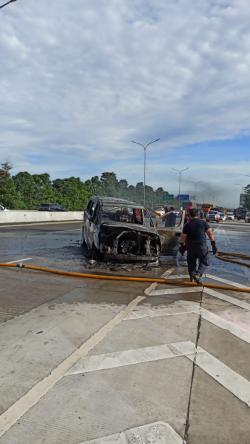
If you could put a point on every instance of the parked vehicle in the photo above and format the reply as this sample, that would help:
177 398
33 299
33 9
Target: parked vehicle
223 216
119 229
230 215
240 213
2 208
214 216
247 218
51 207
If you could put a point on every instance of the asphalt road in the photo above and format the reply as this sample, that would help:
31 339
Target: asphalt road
85 361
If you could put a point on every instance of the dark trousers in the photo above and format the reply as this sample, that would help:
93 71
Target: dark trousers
197 252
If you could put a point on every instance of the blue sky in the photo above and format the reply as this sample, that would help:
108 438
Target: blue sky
80 80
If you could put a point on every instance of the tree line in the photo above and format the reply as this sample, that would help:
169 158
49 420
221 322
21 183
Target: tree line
247 192
28 191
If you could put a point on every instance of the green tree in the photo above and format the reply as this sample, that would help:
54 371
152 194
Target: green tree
247 192
25 190
123 188
72 193
43 188
25 186
131 193
94 187
110 184
34 189
5 168
9 197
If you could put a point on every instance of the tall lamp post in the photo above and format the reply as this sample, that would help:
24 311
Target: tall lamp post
7 3
180 177
196 188
144 176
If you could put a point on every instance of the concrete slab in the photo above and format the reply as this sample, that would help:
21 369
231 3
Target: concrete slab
231 350
22 290
36 342
147 332
224 375
158 432
103 403
216 416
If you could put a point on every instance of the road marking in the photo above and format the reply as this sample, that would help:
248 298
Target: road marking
179 276
20 260
224 297
140 314
167 273
157 432
152 287
207 315
224 375
176 290
228 378
108 361
26 402
225 281
226 325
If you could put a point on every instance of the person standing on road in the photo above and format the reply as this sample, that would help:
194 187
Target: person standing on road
169 217
194 240
217 218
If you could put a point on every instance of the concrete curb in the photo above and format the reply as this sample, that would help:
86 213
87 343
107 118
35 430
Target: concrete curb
30 216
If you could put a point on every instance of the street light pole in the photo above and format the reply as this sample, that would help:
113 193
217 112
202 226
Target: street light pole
144 174
195 188
7 3
180 177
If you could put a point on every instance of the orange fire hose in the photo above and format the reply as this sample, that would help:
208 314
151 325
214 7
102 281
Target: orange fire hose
127 278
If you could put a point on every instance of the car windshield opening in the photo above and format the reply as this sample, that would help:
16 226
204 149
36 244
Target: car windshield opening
116 213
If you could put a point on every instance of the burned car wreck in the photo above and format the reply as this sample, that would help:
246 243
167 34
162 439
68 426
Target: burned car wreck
118 229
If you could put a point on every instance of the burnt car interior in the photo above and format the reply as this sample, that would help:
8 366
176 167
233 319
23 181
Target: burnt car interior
122 214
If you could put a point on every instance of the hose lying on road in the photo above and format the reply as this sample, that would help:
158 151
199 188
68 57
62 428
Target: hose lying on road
108 277
234 258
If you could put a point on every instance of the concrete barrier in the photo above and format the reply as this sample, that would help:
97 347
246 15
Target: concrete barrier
30 216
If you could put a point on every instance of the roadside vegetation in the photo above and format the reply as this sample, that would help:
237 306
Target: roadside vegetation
28 191
247 191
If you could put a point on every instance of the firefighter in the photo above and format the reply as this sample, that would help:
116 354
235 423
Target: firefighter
193 239
169 217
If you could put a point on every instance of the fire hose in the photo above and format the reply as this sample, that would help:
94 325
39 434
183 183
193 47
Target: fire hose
140 279
234 258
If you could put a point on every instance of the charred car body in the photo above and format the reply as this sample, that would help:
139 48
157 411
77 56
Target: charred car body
119 229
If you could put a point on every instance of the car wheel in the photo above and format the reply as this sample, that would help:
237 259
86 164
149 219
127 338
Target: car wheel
95 253
84 246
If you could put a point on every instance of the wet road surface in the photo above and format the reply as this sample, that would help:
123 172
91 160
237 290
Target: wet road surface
102 362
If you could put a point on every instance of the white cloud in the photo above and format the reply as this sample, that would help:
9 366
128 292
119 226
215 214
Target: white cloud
87 77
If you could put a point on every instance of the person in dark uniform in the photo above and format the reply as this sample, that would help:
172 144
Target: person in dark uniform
169 217
194 240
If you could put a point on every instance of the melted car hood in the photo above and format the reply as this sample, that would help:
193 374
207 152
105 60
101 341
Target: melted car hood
130 227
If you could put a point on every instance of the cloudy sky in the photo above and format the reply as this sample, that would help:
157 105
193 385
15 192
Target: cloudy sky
80 79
